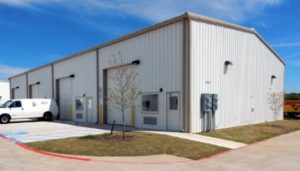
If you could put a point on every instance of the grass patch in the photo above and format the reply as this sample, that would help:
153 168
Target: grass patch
135 144
257 132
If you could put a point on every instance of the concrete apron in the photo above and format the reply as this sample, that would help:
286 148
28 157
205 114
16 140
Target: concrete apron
200 138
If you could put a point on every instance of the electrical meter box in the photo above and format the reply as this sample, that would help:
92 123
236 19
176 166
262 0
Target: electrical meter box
206 102
214 102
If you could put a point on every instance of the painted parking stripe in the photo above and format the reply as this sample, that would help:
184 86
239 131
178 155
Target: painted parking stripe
25 138
9 134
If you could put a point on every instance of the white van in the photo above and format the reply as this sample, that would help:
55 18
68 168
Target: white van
45 109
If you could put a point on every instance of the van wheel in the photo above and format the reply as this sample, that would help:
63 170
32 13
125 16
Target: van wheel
48 116
4 119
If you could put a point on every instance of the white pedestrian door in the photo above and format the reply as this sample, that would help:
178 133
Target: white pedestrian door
89 109
173 112
65 98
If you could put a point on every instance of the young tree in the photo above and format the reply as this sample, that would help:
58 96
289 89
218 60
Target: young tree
124 92
276 101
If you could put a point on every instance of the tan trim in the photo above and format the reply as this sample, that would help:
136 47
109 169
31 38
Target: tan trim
10 89
189 46
186 75
27 86
104 96
183 75
186 15
52 81
97 86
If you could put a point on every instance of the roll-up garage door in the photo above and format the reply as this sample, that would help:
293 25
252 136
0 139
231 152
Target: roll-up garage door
34 91
113 114
16 94
65 98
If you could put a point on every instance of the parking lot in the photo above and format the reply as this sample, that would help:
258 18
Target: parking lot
25 131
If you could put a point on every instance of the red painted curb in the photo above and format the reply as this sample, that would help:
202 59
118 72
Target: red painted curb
51 154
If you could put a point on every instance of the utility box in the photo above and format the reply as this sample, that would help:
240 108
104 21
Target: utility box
209 105
206 102
214 102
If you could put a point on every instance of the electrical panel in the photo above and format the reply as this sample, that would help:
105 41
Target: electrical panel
214 102
209 105
206 102
209 102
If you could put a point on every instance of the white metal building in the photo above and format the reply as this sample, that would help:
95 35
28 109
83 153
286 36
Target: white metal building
179 59
4 91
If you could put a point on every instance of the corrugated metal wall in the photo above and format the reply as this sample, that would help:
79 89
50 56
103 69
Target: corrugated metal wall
20 82
243 90
44 76
160 53
4 92
84 82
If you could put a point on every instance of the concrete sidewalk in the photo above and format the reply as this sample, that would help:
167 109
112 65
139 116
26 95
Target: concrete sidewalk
201 138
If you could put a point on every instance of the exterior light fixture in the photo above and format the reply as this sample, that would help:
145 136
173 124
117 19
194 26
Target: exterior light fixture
17 87
228 63
72 76
37 83
272 78
136 62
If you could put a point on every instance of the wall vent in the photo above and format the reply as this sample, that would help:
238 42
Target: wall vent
150 120
79 115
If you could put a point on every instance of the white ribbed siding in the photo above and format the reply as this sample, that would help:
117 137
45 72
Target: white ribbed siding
84 82
247 82
44 76
160 53
4 91
20 82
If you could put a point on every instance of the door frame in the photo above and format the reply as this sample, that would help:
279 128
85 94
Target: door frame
179 108
86 108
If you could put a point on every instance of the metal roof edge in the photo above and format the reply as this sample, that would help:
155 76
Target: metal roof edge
188 15
233 26
122 38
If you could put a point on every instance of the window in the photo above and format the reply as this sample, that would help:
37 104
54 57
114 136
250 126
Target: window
16 104
79 104
150 103
173 103
6 104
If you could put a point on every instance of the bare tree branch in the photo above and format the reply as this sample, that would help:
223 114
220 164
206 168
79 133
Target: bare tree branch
124 92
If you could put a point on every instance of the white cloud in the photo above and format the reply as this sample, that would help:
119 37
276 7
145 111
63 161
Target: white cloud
8 71
158 10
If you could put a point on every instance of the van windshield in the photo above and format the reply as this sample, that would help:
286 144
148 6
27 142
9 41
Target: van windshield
6 104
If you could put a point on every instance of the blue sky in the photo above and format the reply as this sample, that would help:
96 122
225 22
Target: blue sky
35 32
